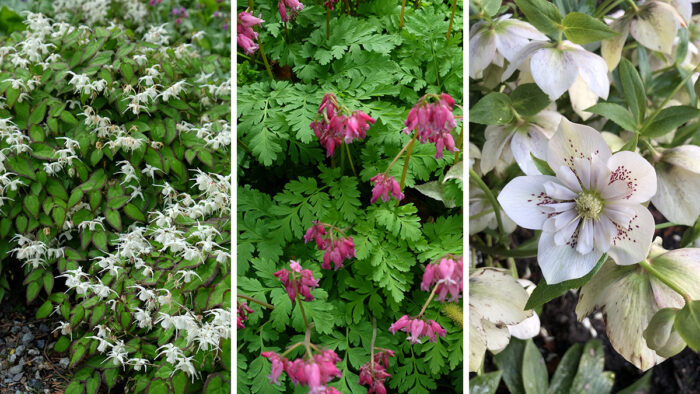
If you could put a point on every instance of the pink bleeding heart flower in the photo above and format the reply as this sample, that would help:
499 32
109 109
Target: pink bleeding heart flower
333 128
315 372
294 5
375 375
301 283
416 328
243 310
337 250
279 363
246 35
383 186
447 275
433 123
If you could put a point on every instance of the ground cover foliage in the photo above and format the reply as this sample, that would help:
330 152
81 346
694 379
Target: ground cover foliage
370 61
115 135
584 147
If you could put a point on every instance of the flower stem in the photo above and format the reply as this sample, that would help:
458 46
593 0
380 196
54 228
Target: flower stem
397 156
347 6
459 143
489 196
403 7
251 299
430 298
303 314
449 28
267 65
674 286
352 166
633 5
328 24
405 163
289 349
668 98
371 346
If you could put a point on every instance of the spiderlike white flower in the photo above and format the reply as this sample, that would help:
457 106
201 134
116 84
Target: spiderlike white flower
118 354
592 206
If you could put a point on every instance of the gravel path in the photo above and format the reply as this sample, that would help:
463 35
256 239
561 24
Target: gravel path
26 362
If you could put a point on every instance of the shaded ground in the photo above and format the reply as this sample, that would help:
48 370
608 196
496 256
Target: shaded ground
26 362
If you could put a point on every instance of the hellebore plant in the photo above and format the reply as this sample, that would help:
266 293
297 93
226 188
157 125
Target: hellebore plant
591 207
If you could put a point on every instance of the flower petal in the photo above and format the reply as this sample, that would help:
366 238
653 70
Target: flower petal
581 98
585 237
527 328
631 244
655 26
482 49
593 71
684 156
611 49
563 236
522 55
677 195
559 191
496 139
497 296
575 140
554 70
525 142
625 297
477 340
509 45
522 199
497 337
563 262
632 170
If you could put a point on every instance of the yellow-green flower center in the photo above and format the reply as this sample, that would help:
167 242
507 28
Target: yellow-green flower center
589 205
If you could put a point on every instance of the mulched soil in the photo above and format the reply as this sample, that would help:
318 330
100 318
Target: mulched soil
27 364
679 374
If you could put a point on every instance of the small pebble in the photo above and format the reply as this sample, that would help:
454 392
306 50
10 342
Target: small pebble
18 377
40 343
19 351
43 328
63 363
35 384
26 338
15 328
15 370
12 358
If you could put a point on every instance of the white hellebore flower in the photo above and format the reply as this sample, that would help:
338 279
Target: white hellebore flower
557 68
518 140
679 184
502 38
654 25
591 207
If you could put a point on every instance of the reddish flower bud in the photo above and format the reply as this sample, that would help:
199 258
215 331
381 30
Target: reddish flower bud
383 185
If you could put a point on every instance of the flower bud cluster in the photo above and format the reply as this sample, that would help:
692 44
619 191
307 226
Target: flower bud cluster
374 374
337 250
314 372
246 35
383 186
433 123
301 283
447 274
335 128
416 327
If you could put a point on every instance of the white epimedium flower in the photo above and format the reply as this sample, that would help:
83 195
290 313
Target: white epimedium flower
518 140
557 68
591 207
491 42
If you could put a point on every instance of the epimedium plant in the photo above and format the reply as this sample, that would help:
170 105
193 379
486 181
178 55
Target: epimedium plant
349 247
584 118
116 188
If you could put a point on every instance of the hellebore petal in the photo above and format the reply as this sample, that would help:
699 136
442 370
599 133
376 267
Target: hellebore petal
522 200
554 70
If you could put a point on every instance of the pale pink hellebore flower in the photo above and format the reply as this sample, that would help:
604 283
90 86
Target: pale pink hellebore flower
592 206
